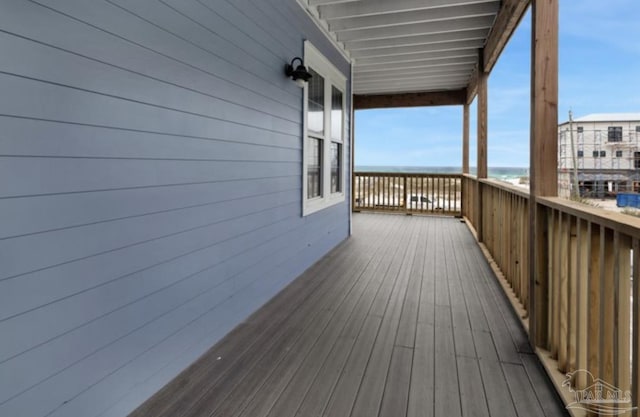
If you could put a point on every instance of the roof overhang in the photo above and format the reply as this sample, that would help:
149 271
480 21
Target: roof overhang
418 52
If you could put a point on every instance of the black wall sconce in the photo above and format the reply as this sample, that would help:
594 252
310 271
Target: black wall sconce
300 74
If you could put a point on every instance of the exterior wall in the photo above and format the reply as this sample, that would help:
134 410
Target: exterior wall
151 157
615 171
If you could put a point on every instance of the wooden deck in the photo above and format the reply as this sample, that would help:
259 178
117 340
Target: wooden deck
403 319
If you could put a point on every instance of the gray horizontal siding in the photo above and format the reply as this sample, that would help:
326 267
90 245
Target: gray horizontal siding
154 201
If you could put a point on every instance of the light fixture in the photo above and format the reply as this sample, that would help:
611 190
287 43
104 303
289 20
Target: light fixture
300 74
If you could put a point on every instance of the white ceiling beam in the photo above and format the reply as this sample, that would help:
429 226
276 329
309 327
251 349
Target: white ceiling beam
372 7
400 81
323 2
454 69
381 78
474 44
409 88
416 69
442 26
414 89
417 64
412 40
426 56
415 16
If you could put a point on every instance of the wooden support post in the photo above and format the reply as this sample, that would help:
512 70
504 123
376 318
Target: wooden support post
352 164
482 148
543 154
482 124
465 139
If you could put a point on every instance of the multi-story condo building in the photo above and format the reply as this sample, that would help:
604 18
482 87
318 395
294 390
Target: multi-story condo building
603 150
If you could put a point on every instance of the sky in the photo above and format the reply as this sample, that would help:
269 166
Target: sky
599 73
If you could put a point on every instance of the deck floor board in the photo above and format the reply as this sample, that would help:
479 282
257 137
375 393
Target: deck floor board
405 318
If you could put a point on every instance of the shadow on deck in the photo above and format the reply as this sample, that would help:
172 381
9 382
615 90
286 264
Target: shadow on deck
404 319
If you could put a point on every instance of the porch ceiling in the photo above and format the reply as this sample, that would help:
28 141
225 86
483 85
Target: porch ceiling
404 46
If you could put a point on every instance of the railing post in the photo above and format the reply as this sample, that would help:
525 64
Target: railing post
404 193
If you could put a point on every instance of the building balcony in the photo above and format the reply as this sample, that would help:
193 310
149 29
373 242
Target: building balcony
405 318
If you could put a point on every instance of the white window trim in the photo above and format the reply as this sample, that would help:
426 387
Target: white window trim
333 77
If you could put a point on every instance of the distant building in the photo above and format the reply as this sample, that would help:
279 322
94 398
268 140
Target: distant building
605 149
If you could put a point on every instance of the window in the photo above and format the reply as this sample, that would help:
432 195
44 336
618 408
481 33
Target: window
324 133
336 174
315 134
314 162
580 129
615 134
636 160
337 121
580 154
603 154
595 154
618 154
637 129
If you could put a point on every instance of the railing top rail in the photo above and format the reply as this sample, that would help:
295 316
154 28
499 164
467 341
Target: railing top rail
406 174
623 223
506 187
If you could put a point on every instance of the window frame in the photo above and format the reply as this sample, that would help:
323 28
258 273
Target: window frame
314 59
614 134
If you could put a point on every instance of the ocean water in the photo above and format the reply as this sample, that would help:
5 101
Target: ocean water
500 173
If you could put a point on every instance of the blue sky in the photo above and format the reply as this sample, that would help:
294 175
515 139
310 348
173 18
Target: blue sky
599 73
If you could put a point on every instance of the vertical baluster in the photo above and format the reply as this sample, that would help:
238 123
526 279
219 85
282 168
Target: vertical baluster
622 309
572 295
552 255
404 192
563 291
421 197
393 192
555 276
524 248
593 317
635 386
450 186
386 197
360 197
607 291
516 248
584 253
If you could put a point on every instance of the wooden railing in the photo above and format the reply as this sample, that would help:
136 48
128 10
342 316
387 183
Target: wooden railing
408 193
587 302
